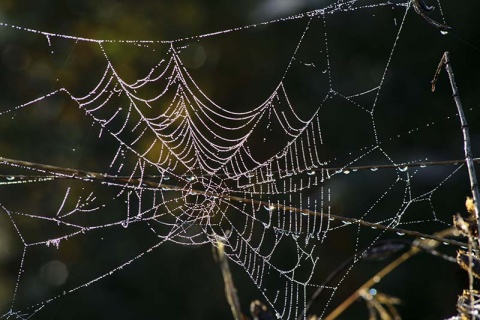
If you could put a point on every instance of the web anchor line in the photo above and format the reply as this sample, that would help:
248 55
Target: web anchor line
68 173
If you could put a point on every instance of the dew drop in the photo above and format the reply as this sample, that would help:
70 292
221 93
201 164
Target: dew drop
444 32
270 207
423 165
374 169
10 178
401 233
403 169
166 177
346 171
311 172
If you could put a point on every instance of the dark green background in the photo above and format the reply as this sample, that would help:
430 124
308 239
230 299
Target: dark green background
240 71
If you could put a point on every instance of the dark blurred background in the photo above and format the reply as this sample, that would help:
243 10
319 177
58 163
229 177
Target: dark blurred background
238 70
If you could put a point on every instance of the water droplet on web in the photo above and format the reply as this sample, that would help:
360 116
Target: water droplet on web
346 171
10 178
324 71
423 165
311 172
443 32
403 169
278 315
401 233
374 169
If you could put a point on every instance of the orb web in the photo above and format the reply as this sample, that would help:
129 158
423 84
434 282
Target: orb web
280 177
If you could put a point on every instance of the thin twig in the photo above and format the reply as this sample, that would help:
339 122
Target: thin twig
418 244
135 183
421 8
67 173
445 61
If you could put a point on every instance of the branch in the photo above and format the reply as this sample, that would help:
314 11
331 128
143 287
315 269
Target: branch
135 183
445 61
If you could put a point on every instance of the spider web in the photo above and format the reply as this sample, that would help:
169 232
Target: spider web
276 174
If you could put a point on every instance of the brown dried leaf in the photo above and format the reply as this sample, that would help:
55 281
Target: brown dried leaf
470 205
463 261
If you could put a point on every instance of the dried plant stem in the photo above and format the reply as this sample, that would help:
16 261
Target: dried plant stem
230 290
471 244
418 244
445 61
